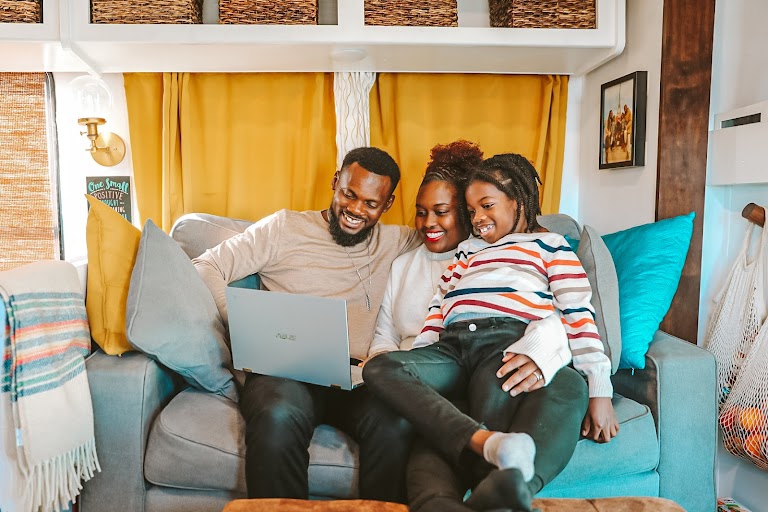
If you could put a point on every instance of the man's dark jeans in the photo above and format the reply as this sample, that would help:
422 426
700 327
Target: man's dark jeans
281 416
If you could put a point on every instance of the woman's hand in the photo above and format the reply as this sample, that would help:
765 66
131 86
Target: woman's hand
600 423
527 378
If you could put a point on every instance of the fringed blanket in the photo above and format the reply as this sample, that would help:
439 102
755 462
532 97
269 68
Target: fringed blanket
46 417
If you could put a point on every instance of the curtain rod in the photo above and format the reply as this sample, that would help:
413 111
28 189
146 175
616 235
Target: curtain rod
754 213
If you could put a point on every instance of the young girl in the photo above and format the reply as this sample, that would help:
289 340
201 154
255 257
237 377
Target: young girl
515 273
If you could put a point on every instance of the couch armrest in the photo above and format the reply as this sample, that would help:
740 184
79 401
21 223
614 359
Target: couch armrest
679 385
128 392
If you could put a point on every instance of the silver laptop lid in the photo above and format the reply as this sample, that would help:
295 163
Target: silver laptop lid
299 337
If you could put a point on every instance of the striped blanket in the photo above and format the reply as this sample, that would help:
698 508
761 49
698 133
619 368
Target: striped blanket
46 417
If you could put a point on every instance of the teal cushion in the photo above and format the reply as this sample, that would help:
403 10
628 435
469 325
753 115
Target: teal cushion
171 315
252 282
649 261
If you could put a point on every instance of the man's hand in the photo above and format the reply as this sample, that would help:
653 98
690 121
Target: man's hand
361 364
527 378
600 423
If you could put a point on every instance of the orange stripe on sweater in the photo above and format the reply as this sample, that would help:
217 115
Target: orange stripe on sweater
579 323
518 298
529 252
564 263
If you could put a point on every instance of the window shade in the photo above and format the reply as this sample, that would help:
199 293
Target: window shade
28 217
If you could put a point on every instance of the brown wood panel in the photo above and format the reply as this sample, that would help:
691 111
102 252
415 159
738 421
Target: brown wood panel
686 72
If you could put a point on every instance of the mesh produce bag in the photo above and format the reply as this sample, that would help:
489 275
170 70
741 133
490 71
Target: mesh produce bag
744 416
737 315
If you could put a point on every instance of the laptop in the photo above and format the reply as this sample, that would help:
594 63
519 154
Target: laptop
299 337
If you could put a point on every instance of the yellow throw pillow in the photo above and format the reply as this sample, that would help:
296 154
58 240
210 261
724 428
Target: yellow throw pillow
112 245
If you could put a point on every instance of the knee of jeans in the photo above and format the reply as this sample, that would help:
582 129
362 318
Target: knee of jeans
393 427
572 383
380 368
278 423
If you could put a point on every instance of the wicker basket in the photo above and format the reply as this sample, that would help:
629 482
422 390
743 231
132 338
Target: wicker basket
431 13
21 11
268 12
147 11
543 13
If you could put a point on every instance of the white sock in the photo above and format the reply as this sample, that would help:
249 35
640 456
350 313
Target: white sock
513 450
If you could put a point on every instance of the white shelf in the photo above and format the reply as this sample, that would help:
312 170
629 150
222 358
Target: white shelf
242 48
30 47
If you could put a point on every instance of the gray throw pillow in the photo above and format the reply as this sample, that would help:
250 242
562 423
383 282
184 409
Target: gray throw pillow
601 272
171 315
560 223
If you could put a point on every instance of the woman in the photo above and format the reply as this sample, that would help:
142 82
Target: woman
433 484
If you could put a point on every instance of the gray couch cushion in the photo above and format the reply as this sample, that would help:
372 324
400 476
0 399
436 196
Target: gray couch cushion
560 223
198 442
634 450
601 272
198 232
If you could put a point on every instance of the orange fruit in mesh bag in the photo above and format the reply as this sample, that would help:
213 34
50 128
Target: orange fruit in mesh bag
732 442
751 417
753 445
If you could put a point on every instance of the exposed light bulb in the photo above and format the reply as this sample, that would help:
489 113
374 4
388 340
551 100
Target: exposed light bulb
92 96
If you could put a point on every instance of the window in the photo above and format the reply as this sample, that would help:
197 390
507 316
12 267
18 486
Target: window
29 213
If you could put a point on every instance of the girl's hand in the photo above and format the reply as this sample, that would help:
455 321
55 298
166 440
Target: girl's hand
600 423
527 378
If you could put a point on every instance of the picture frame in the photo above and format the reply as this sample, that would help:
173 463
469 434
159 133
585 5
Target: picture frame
622 121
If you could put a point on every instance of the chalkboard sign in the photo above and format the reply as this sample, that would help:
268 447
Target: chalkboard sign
114 191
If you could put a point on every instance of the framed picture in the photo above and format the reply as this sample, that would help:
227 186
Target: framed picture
622 121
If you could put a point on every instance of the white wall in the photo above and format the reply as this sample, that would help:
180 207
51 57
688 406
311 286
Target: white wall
75 163
739 78
611 200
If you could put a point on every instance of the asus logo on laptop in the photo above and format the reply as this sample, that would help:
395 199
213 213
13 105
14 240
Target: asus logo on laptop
287 337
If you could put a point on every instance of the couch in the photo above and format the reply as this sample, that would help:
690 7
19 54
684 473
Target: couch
164 446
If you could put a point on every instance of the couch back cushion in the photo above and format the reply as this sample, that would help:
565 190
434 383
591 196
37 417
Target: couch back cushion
198 232
601 273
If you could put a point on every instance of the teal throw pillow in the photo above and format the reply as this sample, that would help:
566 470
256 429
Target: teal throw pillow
649 261
172 317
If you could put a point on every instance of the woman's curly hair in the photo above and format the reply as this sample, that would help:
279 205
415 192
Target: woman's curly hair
453 163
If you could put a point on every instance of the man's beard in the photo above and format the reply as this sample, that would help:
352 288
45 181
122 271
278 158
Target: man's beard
340 236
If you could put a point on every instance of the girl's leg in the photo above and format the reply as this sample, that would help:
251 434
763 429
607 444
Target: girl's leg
552 416
415 383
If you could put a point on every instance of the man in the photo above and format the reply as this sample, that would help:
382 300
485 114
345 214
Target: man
340 252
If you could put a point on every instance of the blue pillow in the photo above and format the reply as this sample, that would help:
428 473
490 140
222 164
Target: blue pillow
649 261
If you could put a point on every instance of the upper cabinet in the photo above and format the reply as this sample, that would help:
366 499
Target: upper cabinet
68 41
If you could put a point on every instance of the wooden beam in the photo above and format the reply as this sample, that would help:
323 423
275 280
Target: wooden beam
686 72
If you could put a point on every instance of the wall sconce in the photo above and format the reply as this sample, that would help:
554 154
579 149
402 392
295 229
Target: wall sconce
94 101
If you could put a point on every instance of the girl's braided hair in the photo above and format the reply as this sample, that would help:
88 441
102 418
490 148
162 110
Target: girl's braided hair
453 163
514 175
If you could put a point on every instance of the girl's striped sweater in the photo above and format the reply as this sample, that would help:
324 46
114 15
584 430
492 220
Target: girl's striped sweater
528 276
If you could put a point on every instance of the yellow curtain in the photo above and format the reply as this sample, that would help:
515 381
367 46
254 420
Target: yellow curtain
523 114
239 145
